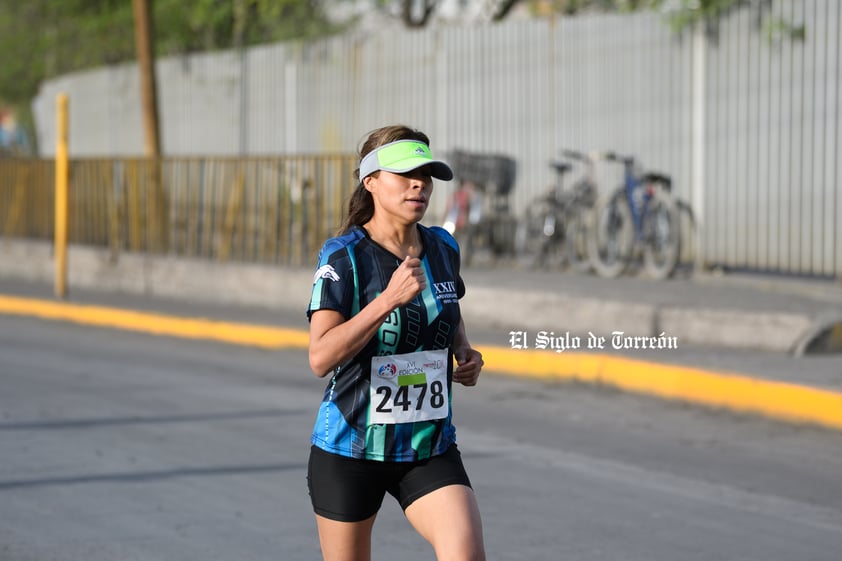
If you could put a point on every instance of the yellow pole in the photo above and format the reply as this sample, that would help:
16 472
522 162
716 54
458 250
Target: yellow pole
62 179
234 203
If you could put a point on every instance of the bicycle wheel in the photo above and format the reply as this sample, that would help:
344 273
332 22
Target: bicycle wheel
612 237
552 254
661 235
687 233
576 240
532 244
502 232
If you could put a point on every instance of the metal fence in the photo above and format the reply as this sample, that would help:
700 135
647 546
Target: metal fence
27 198
746 124
772 119
259 210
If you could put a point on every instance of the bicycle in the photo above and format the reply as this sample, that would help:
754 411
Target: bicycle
540 234
553 230
579 214
639 216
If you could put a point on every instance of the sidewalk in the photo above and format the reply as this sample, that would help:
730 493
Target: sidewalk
735 334
743 311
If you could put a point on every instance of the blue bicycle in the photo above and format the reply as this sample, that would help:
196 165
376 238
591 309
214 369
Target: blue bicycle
640 216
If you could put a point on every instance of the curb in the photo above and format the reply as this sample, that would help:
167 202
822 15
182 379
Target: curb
532 310
824 336
782 401
743 394
157 324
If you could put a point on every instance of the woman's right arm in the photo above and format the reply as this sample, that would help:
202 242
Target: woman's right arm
335 340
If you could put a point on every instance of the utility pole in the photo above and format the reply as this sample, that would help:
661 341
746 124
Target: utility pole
148 87
158 221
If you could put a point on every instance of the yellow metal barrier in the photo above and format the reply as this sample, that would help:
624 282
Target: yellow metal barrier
274 210
62 178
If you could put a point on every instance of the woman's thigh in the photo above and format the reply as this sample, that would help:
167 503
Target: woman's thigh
345 541
458 535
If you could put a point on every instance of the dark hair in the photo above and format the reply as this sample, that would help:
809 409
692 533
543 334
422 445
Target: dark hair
361 205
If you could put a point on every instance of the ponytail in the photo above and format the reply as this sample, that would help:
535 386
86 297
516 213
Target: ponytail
360 209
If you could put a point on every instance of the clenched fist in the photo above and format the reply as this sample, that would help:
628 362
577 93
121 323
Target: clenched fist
469 364
407 281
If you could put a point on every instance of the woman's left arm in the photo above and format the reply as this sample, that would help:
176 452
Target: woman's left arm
468 359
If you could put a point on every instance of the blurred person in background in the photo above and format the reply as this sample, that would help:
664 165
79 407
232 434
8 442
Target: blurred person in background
13 140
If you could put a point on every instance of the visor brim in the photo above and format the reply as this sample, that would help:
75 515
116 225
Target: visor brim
438 169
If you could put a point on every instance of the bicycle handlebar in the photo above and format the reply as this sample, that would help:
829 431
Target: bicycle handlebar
614 157
586 157
573 154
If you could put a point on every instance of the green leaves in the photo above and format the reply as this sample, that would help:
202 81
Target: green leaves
40 39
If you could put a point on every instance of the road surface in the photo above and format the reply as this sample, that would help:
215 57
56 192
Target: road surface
125 446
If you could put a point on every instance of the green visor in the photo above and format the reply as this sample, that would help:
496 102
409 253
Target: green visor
402 156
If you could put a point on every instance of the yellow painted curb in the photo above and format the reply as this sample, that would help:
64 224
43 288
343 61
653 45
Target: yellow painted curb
731 391
158 324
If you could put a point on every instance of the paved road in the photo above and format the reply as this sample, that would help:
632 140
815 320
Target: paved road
126 446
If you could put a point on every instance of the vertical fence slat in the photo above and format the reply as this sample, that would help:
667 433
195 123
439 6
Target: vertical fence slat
834 148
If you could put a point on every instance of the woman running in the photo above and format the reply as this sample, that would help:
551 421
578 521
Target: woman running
385 326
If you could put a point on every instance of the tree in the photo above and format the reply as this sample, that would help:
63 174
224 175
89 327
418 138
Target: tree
41 39
416 13
45 38
680 14
684 14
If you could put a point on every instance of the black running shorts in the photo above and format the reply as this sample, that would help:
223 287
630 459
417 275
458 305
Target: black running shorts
351 490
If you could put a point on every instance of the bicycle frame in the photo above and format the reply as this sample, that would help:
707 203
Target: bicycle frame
638 189
637 204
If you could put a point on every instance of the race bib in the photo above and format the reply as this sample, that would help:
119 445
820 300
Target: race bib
409 387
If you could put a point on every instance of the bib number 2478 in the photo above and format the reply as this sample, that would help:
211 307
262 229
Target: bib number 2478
409 387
